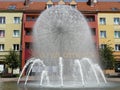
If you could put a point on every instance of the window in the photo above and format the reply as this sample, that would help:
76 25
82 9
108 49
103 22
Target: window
73 6
16 47
49 5
2 33
103 46
31 17
1 47
116 21
28 18
16 33
103 34
28 32
117 47
2 20
102 21
117 34
16 20
93 31
28 45
90 18
12 7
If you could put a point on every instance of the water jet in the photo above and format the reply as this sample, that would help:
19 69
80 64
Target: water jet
65 54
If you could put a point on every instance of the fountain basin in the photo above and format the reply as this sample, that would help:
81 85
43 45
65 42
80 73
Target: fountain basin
64 51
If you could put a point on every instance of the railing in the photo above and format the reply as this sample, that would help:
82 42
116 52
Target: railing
29 24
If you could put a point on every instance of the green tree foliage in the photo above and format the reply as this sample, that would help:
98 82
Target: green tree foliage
12 60
107 57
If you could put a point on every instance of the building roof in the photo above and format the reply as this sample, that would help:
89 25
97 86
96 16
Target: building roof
37 6
108 6
11 5
40 6
99 6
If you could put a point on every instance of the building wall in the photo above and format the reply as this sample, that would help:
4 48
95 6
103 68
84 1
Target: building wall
8 40
93 25
109 27
28 23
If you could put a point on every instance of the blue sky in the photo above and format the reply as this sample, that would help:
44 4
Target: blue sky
64 0
84 0
98 0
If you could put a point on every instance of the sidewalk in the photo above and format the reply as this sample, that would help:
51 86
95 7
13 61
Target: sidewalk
15 79
8 79
113 79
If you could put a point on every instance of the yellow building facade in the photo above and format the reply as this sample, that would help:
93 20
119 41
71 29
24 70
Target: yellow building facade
109 31
10 33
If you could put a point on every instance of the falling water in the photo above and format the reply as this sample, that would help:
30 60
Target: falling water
77 62
44 75
61 70
66 51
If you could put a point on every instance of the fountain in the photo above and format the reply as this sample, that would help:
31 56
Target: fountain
64 51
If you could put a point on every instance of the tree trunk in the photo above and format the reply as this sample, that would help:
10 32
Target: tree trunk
12 72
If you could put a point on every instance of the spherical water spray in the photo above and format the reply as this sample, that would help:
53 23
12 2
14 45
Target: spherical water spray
65 48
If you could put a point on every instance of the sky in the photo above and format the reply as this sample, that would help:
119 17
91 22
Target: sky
81 0
87 0
64 0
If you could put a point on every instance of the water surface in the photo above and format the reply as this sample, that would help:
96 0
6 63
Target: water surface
14 86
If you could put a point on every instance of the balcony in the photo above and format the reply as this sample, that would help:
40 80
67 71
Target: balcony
29 24
28 38
92 24
95 39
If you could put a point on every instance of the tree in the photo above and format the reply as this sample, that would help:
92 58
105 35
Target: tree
12 60
107 57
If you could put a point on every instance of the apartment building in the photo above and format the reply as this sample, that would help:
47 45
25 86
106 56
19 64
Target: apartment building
10 29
